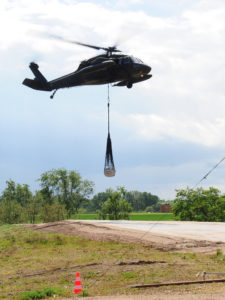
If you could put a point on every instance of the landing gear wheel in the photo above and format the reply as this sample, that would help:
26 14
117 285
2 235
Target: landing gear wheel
129 85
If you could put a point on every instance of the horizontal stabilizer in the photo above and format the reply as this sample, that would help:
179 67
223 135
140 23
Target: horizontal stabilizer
35 84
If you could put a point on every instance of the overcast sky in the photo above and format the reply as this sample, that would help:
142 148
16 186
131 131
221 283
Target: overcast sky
167 132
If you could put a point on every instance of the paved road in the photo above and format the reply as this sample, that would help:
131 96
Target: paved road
195 230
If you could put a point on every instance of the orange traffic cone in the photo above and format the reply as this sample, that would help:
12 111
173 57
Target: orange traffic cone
77 284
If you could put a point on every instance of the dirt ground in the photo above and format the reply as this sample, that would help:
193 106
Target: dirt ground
102 232
161 297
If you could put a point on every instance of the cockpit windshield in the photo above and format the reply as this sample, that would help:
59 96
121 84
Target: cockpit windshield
136 60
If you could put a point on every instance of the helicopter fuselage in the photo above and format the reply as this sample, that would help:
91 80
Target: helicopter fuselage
119 69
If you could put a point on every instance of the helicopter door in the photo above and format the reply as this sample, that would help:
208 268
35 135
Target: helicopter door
126 60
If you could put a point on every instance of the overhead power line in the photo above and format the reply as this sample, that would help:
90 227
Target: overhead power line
207 174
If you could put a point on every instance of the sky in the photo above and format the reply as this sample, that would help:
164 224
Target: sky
167 132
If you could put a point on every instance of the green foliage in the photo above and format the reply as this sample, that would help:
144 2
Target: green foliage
13 200
199 205
16 192
53 212
115 207
129 275
83 294
98 200
65 187
33 207
219 253
39 294
37 239
83 216
62 194
132 216
10 212
151 216
139 201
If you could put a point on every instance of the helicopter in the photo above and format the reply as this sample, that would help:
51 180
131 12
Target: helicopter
107 68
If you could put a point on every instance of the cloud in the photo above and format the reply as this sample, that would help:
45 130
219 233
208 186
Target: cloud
154 127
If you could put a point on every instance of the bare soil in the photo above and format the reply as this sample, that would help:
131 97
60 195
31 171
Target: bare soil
100 232
220 296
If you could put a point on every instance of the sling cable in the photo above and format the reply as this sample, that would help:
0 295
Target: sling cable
109 169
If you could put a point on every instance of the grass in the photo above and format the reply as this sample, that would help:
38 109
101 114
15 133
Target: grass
152 217
35 264
33 295
133 216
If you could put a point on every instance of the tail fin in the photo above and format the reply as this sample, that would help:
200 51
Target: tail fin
40 82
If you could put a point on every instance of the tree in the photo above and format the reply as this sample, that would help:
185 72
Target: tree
10 212
32 208
66 188
98 199
115 207
17 192
14 198
140 200
199 205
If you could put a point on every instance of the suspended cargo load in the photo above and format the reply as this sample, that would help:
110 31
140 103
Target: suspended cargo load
109 169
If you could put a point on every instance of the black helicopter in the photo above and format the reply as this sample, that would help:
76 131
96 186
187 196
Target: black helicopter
123 70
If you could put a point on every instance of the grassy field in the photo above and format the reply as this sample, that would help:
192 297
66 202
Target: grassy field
34 263
133 217
152 217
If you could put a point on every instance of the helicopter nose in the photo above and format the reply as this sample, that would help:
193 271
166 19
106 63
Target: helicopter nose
146 69
142 68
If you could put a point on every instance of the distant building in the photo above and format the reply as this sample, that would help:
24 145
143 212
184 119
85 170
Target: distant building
165 208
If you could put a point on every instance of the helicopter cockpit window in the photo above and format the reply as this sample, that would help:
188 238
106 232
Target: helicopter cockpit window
137 60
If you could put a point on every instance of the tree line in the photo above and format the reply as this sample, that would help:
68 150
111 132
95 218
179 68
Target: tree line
139 201
63 193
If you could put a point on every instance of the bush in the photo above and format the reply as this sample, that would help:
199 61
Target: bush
53 212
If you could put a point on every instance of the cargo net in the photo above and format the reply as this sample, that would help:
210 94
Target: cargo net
109 169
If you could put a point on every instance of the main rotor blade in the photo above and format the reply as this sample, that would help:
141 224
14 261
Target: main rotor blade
113 49
85 45
75 42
